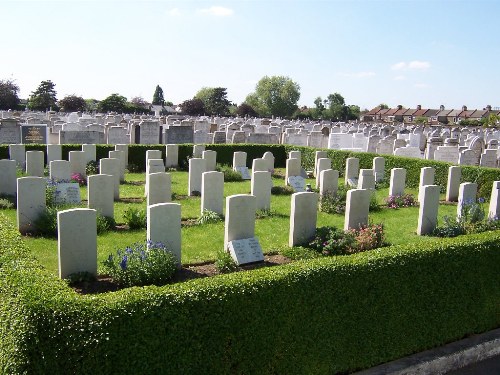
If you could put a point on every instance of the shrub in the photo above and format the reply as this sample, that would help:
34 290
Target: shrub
229 173
209 217
472 220
135 218
398 201
225 263
78 177
92 168
104 223
282 190
46 223
7 201
333 203
450 228
141 264
374 206
368 237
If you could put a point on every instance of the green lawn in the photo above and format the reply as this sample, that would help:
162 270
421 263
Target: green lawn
201 243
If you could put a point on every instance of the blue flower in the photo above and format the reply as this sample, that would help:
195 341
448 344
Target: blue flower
481 200
123 263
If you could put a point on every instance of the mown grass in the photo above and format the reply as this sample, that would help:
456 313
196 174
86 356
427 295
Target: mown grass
201 242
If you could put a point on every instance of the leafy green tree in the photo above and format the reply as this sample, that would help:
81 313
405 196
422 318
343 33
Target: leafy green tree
44 97
353 112
8 94
421 120
337 108
91 104
193 107
139 101
158 96
276 95
492 120
383 106
245 109
72 103
215 100
113 103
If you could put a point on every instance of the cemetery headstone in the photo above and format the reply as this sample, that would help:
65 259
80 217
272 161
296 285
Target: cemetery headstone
212 192
164 226
8 183
328 182
428 210
211 159
18 153
453 183
261 185
159 188
30 202
100 194
35 163
197 167
351 172
357 207
494 208
398 182
466 196
303 218
171 156
112 167
34 134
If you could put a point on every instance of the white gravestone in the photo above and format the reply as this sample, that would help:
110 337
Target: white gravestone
245 175
489 158
303 218
212 192
398 182
494 208
453 183
171 156
35 163
379 168
239 159
426 178
164 225
240 218
466 196
447 154
260 165
269 157
297 183
112 167
8 173
67 193
211 159
77 241
30 202
159 188
54 152
196 168
295 155
153 166
245 251
322 164
60 170
329 182
468 157
198 151
77 163
261 188
318 155
100 194
357 208
123 148
90 152
292 168
428 211
366 179
351 171
18 153
121 156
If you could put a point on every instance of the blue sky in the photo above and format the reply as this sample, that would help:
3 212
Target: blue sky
370 51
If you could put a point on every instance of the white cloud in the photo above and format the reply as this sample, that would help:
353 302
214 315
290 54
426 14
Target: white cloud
420 65
421 85
412 65
217 11
174 12
358 74
399 78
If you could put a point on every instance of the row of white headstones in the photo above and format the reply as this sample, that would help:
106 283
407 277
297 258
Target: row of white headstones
77 236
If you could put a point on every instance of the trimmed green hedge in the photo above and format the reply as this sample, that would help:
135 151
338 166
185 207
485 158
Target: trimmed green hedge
319 316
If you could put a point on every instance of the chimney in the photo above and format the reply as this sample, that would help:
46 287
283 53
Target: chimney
400 106
419 107
488 107
441 107
464 108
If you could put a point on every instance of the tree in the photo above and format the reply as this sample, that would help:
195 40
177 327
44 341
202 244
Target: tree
276 95
383 106
44 97
245 109
91 105
421 120
193 107
158 96
353 112
113 103
139 101
72 103
215 100
8 94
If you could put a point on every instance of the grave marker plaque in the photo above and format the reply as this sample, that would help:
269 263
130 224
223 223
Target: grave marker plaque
297 183
67 193
244 173
245 251
34 134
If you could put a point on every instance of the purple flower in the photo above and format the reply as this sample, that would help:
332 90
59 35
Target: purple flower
123 263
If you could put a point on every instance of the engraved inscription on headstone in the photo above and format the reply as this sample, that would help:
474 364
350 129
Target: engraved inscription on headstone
297 183
67 193
245 251
34 134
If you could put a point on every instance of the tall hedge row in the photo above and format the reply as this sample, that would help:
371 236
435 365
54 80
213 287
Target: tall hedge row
321 316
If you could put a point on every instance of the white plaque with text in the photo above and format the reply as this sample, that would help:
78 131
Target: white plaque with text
244 173
297 183
67 193
245 251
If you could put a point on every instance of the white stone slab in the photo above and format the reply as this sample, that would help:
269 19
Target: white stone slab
67 193
245 251
244 173
297 183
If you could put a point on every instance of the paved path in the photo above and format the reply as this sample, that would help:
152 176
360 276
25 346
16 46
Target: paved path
487 367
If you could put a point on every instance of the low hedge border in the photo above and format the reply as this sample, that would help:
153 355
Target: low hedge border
320 316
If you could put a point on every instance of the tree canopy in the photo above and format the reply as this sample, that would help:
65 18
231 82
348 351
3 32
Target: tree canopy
158 98
113 103
193 107
72 103
214 100
276 96
245 109
8 94
44 97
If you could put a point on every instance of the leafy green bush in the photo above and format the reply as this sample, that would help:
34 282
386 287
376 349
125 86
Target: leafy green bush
472 220
374 205
398 201
282 190
104 223
225 263
135 218
46 223
209 217
333 203
92 168
7 202
141 264
229 173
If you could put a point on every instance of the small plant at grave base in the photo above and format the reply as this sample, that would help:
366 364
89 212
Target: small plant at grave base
282 190
374 206
229 173
80 277
332 241
368 237
263 213
7 202
92 168
450 228
141 264
135 218
209 217
225 263
333 203
104 223
196 193
46 223
133 168
78 177
471 220
400 201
